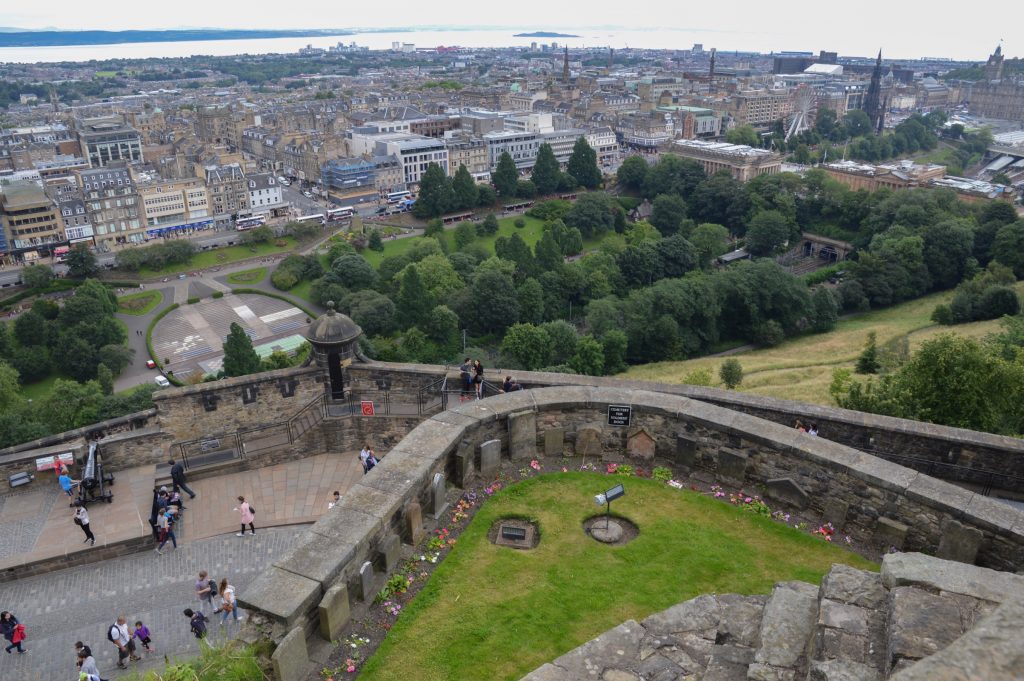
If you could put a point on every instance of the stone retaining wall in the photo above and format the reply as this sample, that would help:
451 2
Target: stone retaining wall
301 590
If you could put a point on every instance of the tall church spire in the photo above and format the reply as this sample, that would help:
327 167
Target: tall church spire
873 105
565 67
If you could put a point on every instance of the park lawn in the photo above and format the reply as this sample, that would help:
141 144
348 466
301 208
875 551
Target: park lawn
223 256
255 275
530 233
139 303
301 290
495 613
801 368
41 388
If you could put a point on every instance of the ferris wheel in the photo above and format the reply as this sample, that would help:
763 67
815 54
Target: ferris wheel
805 110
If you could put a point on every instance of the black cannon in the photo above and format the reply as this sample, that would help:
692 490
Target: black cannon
94 482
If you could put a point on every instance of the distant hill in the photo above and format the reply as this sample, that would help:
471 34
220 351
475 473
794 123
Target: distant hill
64 38
545 34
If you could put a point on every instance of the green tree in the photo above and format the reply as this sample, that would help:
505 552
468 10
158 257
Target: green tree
434 228
711 241
723 200
439 276
668 213
414 301
487 196
30 329
115 357
731 373
105 379
506 176
37 276
546 170
490 225
527 345
465 193
465 233
259 235
673 175
743 134
10 394
867 361
373 311
563 340
583 165
71 405
442 327
767 232
614 344
490 303
81 262
589 357
825 310
1008 248
857 123
31 363
593 214
515 249
547 252
632 173
354 272
530 297
947 247
376 243
436 195
240 359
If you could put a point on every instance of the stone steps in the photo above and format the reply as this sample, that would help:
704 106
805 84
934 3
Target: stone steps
855 626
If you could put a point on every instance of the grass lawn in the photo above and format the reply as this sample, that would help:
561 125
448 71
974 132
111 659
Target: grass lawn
224 256
531 234
139 303
494 613
801 369
252 276
40 389
301 290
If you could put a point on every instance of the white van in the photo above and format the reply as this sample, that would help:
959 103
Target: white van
162 381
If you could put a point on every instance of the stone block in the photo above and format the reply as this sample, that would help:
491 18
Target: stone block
889 532
280 594
317 557
849 618
438 496
464 464
920 624
856 587
732 464
290 658
490 458
588 441
389 553
835 670
787 624
686 451
554 442
413 517
640 445
367 589
959 542
614 648
334 612
787 491
696 614
522 435
835 511
934 574
741 618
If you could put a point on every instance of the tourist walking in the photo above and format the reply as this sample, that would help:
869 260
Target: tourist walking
142 633
66 483
206 589
13 631
229 606
248 515
87 665
197 623
165 523
81 518
120 636
178 478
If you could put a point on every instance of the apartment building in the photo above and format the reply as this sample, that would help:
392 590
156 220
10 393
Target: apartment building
65 192
521 146
415 154
172 205
31 223
228 192
265 194
759 108
470 152
112 204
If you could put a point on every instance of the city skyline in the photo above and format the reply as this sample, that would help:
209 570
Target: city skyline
902 32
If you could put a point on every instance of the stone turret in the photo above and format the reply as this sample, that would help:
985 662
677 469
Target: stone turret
335 338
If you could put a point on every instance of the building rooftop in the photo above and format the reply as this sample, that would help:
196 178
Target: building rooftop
19 195
724 148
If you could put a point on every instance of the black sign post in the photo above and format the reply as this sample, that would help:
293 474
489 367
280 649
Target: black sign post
619 414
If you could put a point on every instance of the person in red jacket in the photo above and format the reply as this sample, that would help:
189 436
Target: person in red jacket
12 630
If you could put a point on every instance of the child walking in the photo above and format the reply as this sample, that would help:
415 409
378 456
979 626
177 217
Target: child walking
142 633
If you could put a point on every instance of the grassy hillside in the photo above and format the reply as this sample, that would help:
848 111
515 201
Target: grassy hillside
801 369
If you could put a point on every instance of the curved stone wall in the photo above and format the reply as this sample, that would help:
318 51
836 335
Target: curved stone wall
346 553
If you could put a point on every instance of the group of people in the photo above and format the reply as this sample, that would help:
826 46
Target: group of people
368 459
471 372
811 429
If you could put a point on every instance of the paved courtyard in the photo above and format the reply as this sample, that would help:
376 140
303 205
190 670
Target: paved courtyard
192 336
62 607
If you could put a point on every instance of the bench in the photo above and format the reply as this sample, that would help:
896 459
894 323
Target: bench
19 479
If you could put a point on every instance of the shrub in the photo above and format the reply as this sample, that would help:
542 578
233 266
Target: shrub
661 474
942 315
519 223
193 300
731 373
218 294
283 279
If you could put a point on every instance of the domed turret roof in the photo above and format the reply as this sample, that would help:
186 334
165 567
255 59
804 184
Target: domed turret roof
333 328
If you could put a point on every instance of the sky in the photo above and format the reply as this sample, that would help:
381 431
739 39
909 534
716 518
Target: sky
902 28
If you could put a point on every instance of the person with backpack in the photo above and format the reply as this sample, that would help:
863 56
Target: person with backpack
119 634
206 589
248 514
197 623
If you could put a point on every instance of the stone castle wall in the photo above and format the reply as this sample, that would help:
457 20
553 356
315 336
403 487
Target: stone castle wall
344 556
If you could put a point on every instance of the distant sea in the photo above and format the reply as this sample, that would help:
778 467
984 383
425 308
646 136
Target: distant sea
375 41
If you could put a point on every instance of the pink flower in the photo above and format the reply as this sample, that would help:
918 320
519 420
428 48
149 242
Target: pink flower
535 465
747 500
564 469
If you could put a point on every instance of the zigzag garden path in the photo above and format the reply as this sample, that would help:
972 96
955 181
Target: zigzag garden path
493 613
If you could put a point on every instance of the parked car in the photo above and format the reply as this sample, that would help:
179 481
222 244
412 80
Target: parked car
162 381
308 195
150 364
